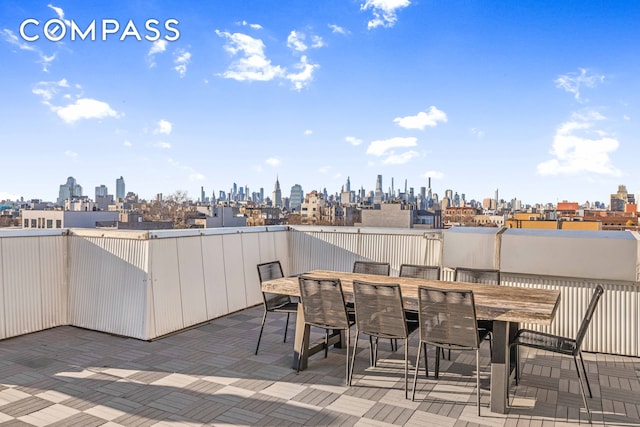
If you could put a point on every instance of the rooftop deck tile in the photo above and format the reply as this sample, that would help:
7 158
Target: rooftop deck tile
209 375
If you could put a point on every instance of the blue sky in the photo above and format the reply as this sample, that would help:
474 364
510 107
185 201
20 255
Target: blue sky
538 99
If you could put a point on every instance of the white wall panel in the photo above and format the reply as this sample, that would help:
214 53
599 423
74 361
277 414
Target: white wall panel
234 272
614 327
192 289
3 314
107 284
165 284
55 292
281 244
23 289
471 247
214 276
252 243
601 255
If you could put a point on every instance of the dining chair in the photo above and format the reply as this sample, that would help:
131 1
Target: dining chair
324 307
428 272
562 345
379 269
274 303
447 319
380 314
372 267
482 276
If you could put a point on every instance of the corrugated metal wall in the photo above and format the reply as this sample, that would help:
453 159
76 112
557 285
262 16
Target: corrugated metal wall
317 248
210 275
33 283
614 327
108 283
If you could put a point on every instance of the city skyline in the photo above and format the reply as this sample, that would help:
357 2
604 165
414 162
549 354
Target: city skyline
534 99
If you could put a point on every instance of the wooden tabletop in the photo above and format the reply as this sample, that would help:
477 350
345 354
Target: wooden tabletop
493 302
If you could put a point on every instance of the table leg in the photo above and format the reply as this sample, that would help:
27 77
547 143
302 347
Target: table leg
500 367
303 332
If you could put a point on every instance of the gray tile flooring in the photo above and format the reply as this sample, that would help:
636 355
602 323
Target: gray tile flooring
209 375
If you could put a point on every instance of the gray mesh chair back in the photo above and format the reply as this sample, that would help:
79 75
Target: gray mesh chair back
473 275
427 272
447 319
563 345
380 314
324 307
274 302
371 267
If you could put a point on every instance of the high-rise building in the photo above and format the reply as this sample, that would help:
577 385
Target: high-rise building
120 188
69 190
378 196
202 196
277 194
102 191
296 198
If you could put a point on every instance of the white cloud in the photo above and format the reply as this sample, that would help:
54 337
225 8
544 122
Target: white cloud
182 60
71 154
253 64
353 140
574 82
579 148
192 174
338 29
44 60
158 46
422 119
60 13
384 11
402 158
254 26
85 108
433 174
161 144
308 132
163 127
302 79
317 42
382 147
477 132
295 41
273 162
127 143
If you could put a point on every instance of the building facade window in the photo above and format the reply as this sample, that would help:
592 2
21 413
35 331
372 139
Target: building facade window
49 223
26 223
58 223
34 223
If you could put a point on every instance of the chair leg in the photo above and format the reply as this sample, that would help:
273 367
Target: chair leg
353 357
370 350
415 375
406 368
478 378
264 319
300 356
326 343
517 376
375 353
347 376
586 377
286 327
426 359
584 395
437 368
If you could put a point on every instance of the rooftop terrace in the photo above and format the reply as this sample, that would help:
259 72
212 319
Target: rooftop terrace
159 328
209 375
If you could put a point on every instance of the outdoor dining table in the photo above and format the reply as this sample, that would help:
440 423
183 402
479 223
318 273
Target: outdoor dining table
506 306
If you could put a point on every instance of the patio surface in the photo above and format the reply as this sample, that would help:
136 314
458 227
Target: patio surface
209 375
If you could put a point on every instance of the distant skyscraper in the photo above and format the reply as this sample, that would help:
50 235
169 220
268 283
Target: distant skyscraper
69 190
202 196
348 187
296 198
277 194
102 191
378 196
120 188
